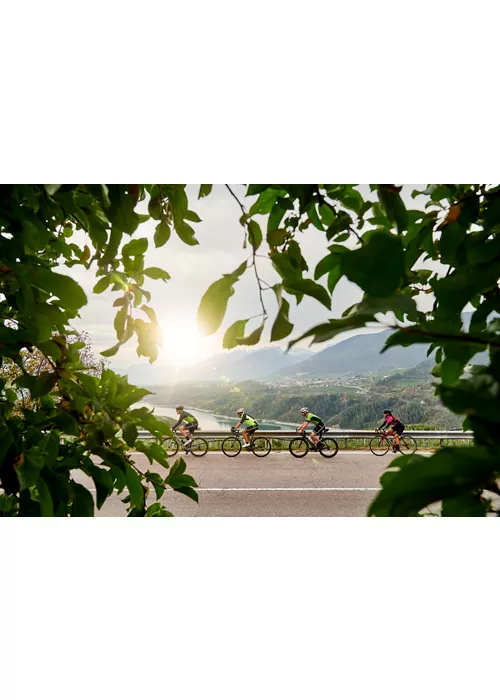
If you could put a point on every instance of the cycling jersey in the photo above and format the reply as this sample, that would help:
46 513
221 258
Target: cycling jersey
394 423
187 417
248 421
314 419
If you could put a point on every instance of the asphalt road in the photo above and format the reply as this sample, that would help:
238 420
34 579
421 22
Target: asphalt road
277 485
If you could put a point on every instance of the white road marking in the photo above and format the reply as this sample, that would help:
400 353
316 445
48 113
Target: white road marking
284 488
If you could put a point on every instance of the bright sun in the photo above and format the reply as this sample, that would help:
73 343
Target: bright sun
183 343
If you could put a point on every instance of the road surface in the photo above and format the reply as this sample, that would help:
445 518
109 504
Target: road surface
277 485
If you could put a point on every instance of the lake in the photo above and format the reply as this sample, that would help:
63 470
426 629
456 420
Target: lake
210 421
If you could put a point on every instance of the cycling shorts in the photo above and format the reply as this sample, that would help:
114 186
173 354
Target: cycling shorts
397 428
191 427
318 428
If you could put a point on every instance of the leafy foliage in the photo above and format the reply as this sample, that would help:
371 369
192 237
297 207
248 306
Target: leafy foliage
62 412
382 247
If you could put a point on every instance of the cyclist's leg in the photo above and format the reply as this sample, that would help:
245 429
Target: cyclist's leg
246 435
392 434
316 433
190 432
250 433
397 433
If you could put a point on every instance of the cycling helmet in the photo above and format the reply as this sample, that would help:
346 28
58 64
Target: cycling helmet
240 410
387 411
179 408
304 410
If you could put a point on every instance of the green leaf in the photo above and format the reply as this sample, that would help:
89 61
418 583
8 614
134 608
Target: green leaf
450 473
277 237
65 288
83 503
46 504
256 189
103 483
134 486
334 276
265 202
155 208
452 236
325 265
310 288
51 189
326 331
179 481
214 302
204 190
282 326
254 234
156 273
157 510
111 351
192 216
102 284
119 322
233 334
130 433
341 223
397 303
253 338
138 246
440 192
162 234
467 505
393 206
157 482
378 266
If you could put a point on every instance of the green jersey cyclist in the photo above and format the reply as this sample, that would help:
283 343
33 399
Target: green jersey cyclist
249 424
188 424
316 422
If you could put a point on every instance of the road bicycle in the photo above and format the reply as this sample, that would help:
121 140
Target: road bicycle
383 442
197 447
327 447
259 445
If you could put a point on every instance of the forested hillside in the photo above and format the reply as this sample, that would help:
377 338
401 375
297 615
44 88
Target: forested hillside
409 394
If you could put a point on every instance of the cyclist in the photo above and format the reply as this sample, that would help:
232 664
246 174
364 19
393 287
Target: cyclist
190 423
249 424
395 427
317 423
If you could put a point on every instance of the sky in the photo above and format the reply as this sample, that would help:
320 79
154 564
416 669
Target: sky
194 268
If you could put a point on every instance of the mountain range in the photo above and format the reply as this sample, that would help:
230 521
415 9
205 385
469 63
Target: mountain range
359 354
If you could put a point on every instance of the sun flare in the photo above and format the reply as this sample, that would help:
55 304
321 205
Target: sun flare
183 343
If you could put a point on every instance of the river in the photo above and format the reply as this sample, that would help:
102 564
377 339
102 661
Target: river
210 421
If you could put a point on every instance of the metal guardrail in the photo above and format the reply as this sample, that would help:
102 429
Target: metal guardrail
345 435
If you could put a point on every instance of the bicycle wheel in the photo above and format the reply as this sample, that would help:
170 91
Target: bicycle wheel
330 448
407 444
231 447
298 447
261 447
171 447
198 447
379 446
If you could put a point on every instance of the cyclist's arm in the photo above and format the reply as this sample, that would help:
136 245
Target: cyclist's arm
384 425
238 425
304 425
181 418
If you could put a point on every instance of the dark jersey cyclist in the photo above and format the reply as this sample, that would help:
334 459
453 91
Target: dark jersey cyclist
316 422
394 427
249 424
188 421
